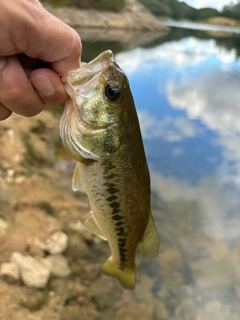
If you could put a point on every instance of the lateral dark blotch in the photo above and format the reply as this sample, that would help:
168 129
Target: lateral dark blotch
117 217
122 258
122 242
120 223
123 250
111 198
109 184
121 232
110 176
116 210
112 190
107 165
115 204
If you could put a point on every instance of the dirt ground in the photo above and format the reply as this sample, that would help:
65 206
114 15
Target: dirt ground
35 200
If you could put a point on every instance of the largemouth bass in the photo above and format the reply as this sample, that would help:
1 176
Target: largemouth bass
100 129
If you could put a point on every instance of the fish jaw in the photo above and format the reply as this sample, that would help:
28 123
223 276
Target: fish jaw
86 77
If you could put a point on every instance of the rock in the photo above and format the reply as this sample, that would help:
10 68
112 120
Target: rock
216 275
160 311
171 257
36 247
3 227
57 243
32 299
186 310
58 265
10 272
77 247
33 272
216 309
103 288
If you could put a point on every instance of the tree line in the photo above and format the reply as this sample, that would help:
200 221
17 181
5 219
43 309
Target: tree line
106 5
162 8
180 10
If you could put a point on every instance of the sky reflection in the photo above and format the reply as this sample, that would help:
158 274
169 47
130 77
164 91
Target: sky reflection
188 99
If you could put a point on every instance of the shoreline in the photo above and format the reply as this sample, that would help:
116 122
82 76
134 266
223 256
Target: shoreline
139 20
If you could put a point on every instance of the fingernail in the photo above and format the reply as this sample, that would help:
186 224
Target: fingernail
2 62
43 85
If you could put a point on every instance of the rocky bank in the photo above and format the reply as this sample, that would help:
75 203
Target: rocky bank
194 277
134 17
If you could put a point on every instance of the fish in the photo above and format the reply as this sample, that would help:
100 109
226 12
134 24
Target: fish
99 128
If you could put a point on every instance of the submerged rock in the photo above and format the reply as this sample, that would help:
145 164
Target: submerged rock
10 272
58 265
3 227
33 272
57 243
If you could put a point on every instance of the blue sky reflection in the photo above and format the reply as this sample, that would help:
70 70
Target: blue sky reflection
187 95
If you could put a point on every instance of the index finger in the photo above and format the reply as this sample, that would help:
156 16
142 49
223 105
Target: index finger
61 46
39 34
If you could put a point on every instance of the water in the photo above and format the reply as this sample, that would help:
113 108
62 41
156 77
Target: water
186 86
200 26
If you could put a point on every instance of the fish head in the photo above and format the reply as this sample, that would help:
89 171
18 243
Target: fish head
98 89
93 118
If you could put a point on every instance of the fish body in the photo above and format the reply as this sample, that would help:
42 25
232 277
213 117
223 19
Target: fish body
100 129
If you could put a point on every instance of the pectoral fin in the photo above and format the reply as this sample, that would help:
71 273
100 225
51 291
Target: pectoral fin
76 181
92 225
149 244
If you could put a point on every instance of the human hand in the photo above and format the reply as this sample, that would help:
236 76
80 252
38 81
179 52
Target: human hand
36 49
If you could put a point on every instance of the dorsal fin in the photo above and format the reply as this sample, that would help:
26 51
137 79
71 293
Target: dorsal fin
149 244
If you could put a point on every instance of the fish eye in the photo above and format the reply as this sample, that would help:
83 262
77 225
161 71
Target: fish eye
112 91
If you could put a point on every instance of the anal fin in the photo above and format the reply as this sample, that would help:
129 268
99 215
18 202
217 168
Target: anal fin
92 226
149 244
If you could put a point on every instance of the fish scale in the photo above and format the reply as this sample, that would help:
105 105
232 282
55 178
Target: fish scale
100 129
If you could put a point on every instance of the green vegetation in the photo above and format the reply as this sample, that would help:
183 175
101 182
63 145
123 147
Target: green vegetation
174 9
232 11
178 10
107 5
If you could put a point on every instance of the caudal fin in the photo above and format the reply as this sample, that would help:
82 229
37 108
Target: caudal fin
126 276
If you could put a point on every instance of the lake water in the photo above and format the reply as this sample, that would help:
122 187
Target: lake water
186 86
200 26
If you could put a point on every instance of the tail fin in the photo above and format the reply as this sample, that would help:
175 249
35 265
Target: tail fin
126 276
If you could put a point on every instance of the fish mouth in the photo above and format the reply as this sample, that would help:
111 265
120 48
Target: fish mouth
89 70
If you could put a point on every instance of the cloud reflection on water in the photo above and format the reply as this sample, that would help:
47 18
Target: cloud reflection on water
181 54
202 82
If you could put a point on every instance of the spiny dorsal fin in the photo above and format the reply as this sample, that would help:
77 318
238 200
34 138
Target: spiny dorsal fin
149 244
92 225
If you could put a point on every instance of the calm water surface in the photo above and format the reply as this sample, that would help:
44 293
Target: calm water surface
186 87
200 26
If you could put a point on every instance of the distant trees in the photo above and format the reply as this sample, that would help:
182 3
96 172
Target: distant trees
178 10
107 5
232 10
174 9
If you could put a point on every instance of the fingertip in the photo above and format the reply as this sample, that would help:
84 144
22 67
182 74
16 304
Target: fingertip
72 59
4 113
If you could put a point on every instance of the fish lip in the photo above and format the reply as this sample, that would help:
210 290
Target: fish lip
88 70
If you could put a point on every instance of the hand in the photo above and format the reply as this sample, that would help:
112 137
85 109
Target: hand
36 49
